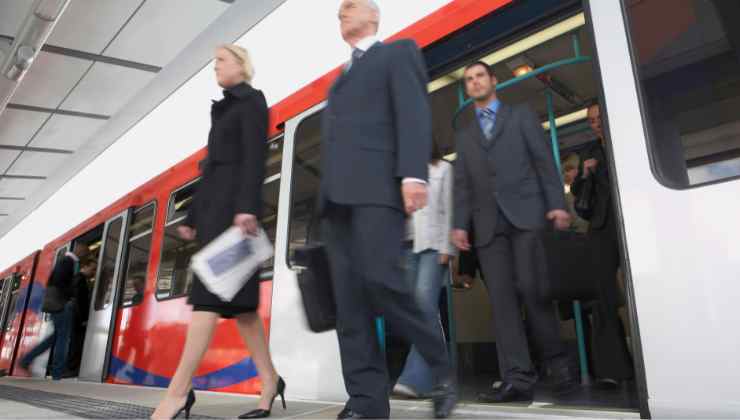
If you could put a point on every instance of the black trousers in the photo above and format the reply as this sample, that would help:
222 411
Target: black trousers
513 265
367 264
608 353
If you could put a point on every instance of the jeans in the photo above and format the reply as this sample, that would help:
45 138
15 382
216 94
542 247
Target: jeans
59 339
428 277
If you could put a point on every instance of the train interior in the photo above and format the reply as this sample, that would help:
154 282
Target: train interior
551 70
561 95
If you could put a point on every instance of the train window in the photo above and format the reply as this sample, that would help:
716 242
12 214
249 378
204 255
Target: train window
174 277
303 221
689 73
104 289
139 245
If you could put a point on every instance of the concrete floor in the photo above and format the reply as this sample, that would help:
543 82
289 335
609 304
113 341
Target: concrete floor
222 405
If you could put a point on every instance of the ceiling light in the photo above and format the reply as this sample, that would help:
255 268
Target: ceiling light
522 70
567 119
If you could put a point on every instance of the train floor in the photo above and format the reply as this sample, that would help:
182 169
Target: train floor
71 399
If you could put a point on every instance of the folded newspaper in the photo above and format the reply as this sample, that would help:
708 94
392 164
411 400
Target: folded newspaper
226 264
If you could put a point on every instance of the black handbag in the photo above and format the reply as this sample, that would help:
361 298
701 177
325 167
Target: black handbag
315 283
584 203
573 266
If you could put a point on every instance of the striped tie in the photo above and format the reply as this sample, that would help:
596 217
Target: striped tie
488 119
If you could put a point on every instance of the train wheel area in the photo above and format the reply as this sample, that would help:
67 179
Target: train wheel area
36 398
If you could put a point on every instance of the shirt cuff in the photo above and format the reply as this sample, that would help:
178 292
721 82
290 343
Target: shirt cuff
417 180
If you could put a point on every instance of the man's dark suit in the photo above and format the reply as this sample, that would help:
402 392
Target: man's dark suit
376 131
506 185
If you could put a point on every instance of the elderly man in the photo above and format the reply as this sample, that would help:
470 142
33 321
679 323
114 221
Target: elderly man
376 144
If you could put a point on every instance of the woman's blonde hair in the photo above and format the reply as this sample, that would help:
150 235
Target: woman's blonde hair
242 55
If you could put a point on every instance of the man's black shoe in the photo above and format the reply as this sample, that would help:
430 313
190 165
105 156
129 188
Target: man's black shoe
347 413
506 393
444 397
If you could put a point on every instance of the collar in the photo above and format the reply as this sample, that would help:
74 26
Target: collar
494 106
72 255
365 43
239 91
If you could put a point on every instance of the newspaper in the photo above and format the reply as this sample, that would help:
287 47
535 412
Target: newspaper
229 261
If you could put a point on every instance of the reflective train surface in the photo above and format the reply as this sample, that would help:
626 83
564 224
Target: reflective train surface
667 76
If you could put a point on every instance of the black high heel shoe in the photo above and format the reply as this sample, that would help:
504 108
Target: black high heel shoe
188 405
260 413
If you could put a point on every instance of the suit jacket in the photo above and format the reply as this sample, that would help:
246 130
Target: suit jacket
234 170
377 128
514 172
602 200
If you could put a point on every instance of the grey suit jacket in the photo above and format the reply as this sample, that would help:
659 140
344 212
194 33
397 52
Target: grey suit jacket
515 172
377 128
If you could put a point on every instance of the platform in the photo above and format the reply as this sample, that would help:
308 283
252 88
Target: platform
68 399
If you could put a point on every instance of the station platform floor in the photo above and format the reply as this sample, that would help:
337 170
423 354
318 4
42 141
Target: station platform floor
34 398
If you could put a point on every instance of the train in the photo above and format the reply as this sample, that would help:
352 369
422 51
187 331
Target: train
667 76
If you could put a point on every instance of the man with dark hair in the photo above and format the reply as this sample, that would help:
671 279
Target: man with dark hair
508 186
57 303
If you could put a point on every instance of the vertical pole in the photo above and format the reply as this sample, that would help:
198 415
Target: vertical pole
577 313
380 328
451 318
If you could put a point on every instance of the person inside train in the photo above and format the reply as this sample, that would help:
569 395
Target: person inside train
139 283
569 165
81 304
428 252
609 352
229 194
508 216
57 303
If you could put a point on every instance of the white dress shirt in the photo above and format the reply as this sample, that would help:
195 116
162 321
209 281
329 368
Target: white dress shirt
365 44
433 223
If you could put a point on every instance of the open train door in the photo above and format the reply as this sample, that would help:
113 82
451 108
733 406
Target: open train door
105 299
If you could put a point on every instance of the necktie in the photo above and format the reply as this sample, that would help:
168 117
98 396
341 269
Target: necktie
356 55
488 119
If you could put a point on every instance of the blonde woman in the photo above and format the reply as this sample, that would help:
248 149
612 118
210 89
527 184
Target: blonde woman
230 193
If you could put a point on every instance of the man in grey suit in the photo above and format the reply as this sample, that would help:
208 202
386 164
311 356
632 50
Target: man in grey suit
507 184
375 147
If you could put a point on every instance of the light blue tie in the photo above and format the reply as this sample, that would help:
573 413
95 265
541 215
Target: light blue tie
488 119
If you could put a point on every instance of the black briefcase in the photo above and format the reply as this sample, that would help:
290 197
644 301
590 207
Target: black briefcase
314 281
573 266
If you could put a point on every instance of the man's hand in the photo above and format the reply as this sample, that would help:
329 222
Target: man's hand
444 259
589 166
560 219
247 223
186 232
414 196
459 238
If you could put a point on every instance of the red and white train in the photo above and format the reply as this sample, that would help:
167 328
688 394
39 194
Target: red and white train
667 73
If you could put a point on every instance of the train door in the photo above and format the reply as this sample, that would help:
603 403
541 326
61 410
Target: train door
5 285
98 336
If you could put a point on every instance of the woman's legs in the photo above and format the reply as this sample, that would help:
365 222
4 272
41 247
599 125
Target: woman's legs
250 328
200 332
